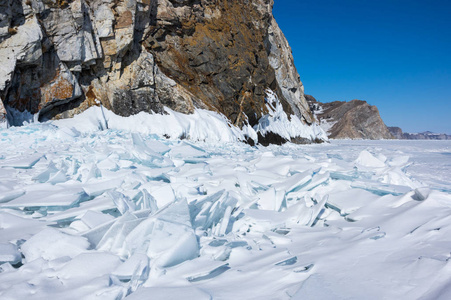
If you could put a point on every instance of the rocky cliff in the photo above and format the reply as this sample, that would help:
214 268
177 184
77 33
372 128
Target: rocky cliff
427 135
355 119
2 114
58 57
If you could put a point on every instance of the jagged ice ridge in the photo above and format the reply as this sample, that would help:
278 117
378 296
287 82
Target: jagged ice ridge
88 212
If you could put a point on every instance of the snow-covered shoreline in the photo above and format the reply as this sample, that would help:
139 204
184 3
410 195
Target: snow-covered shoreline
202 125
87 213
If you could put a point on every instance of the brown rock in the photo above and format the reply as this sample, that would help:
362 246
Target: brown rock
124 20
396 132
142 55
2 114
355 119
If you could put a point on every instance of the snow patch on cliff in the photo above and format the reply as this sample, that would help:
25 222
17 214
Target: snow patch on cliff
202 125
277 121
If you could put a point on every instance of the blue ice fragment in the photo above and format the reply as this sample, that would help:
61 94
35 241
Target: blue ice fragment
288 262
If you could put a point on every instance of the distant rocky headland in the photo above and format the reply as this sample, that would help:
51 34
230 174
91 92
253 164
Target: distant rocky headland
427 135
355 119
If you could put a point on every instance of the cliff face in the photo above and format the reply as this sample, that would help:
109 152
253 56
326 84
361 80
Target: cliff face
355 119
396 132
2 114
59 57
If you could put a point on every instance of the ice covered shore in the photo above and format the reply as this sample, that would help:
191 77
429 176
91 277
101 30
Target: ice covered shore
88 212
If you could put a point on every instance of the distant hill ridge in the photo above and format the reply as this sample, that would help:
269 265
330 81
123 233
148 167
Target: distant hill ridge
354 119
427 135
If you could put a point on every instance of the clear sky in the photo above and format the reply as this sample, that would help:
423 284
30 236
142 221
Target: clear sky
395 54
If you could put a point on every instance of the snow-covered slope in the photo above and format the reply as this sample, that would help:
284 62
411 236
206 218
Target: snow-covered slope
93 213
202 125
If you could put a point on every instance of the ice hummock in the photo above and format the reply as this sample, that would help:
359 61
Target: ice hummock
95 213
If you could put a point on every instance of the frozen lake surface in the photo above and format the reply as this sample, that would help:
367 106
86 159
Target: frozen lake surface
429 161
113 214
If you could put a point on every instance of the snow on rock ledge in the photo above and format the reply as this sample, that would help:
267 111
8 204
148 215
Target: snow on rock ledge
276 127
202 125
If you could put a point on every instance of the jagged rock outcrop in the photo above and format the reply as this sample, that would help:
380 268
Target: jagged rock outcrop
355 119
59 57
427 135
396 132
2 114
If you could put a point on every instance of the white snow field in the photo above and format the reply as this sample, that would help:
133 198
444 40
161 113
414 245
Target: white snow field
93 213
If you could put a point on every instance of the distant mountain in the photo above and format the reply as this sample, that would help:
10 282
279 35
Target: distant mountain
427 135
355 119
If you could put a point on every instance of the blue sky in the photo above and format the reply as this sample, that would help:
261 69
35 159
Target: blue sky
395 54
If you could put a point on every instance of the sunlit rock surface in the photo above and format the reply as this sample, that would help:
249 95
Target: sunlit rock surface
355 119
60 57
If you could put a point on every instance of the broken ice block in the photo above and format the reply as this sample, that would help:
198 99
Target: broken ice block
157 146
422 193
88 171
186 247
47 195
317 180
51 244
167 237
87 266
6 196
96 188
259 220
272 199
93 219
211 210
398 161
162 193
221 230
22 162
113 239
100 203
209 275
9 253
58 177
123 203
146 201
108 164
366 159
288 262
96 234
187 150
134 267
147 156
294 182
45 175
380 188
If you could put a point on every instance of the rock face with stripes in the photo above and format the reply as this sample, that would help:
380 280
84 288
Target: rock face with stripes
60 57
354 119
